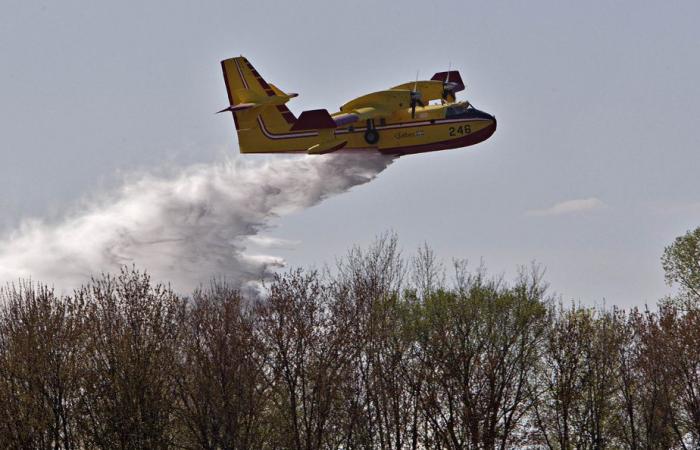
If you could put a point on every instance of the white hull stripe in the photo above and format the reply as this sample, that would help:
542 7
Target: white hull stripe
271 135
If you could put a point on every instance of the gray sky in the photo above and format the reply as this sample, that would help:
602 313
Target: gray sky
592 171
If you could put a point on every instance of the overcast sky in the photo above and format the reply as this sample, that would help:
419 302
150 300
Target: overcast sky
592 171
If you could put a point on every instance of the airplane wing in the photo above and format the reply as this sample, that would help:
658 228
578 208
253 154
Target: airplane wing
342 119
443 85
376 104
429 90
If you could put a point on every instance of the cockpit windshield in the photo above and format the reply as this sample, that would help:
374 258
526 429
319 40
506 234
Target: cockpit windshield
464 110
456 109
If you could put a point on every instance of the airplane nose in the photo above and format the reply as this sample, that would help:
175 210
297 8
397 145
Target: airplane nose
474 113
491 117
484 115
493 125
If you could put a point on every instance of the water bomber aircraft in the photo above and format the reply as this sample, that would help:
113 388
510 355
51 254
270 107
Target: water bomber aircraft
396 121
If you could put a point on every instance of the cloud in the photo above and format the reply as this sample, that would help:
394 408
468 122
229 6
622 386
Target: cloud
569 207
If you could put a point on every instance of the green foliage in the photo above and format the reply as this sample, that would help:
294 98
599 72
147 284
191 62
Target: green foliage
681 262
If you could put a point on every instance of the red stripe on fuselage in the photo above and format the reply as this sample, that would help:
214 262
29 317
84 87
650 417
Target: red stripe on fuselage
294 135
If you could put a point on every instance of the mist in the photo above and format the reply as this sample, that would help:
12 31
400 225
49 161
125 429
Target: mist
186 228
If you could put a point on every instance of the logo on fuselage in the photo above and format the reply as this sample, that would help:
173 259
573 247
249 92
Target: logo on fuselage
408 134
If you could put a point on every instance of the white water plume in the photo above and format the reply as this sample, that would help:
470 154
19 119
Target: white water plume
185 229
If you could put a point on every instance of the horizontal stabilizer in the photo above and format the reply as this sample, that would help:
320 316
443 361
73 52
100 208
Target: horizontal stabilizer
239 107
315 119
280 93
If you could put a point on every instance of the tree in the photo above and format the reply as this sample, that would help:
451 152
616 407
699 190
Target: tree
380 354
224 396
307 344
559 390
656 389
680 357
133 337
41 347
681 262
480 344
384 381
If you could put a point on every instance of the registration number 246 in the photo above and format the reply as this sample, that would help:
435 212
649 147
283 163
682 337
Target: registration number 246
460 130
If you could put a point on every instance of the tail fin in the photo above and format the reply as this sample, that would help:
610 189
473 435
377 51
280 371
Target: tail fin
251 96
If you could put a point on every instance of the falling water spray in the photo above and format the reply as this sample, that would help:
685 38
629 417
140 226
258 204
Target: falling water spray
186 228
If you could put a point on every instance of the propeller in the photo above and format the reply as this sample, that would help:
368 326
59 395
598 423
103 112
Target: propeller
415 98
448 89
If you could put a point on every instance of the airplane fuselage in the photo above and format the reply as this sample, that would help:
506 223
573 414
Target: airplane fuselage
428 132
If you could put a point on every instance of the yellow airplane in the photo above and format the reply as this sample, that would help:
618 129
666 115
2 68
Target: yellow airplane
396 121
